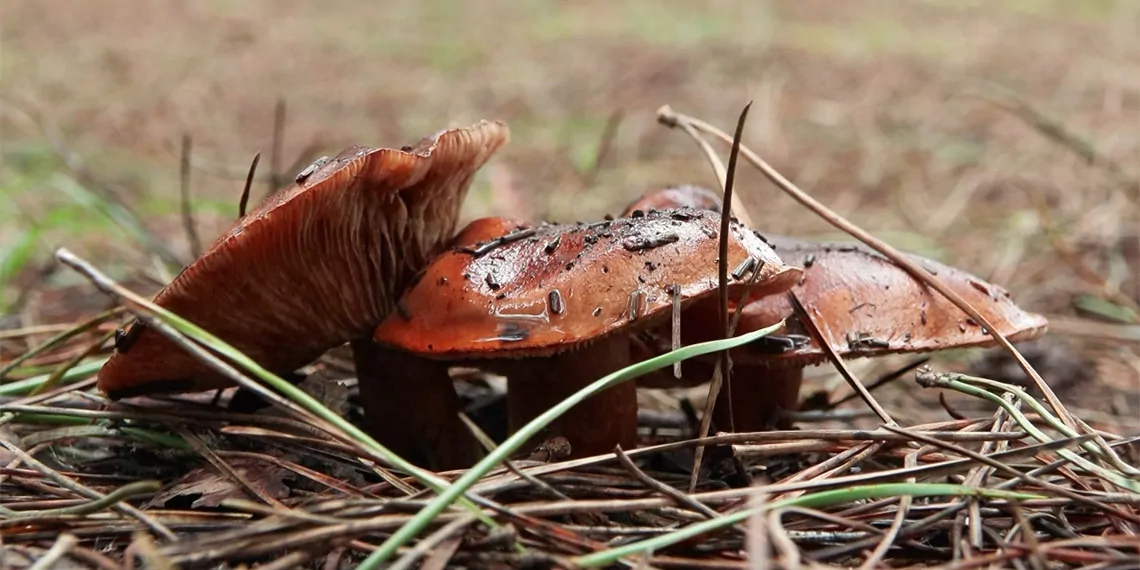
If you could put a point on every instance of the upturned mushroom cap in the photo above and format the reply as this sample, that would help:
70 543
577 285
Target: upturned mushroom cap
545 289
322 261
865 305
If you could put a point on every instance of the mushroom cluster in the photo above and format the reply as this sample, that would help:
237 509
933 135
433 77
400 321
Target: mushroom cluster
362 241
363 249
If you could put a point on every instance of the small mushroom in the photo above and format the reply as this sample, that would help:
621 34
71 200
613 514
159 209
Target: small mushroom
864 305
552 309
321 262
677 197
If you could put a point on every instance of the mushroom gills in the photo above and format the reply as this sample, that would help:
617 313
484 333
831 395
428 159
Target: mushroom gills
318 263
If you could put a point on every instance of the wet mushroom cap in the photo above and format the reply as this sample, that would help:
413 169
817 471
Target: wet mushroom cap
486 230
677 197
865 305
320 262
544 289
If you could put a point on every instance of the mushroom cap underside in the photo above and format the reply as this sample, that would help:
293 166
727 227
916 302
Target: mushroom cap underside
318 263
544 289
865 305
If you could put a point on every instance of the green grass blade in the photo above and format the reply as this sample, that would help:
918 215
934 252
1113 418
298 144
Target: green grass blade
13 259
1106 309
813 500
118 214
306 401
46 419
156 438
966 385
422 519
76 373
55 340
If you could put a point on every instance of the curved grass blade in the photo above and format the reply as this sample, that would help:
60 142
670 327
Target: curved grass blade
813 500
962 383
225 350
422 519
75 374
57 339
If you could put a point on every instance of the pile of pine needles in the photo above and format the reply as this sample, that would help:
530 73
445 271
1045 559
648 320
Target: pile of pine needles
176 482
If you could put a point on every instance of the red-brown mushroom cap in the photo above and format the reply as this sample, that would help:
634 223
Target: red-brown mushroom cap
677 197
865 305
322 261
550 288
484 230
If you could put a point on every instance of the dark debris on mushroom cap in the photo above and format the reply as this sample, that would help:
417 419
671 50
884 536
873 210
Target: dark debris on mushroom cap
319 262
603 277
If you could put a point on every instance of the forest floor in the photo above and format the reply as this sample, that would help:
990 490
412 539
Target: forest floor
999 137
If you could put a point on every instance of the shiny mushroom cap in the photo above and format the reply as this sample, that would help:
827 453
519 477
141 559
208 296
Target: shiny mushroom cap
865 305
486 230
322 261
677 197
542 290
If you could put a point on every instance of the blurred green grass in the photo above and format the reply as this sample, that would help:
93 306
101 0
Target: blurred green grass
859 101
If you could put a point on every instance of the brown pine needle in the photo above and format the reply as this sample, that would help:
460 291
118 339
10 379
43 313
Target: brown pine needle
188 224
813 327
668 116
722 369
244 202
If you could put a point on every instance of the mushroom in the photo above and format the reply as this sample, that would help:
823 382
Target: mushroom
321 262
551 307
677 197
864 305
432 435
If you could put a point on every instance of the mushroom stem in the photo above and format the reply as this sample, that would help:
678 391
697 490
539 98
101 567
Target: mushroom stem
535 385
394 388
759 394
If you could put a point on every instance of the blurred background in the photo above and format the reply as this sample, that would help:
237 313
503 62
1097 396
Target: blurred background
998 136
